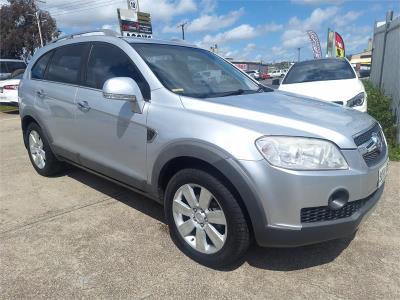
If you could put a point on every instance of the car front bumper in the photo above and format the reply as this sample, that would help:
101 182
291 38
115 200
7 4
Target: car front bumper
320 231
283 194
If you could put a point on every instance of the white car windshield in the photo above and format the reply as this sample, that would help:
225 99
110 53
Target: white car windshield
195 72
319 70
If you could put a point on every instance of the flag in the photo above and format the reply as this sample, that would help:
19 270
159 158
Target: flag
330 43
339 44
316 45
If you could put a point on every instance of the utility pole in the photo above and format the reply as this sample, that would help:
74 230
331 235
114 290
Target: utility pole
183 29
37 14
298 54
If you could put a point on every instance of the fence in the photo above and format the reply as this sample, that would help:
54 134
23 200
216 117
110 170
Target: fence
385 69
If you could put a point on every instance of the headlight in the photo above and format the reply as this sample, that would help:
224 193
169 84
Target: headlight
299 153
357 100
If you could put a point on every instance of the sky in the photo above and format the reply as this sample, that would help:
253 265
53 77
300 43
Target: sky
259 30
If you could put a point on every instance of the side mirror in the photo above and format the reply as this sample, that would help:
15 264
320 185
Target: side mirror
124 89
275 82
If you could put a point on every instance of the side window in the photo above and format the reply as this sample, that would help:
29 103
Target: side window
40 66
65 64
15 65
3 66
107 61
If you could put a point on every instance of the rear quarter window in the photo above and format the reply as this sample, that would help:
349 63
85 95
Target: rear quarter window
40 66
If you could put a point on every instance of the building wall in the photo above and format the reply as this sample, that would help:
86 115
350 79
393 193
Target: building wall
247 66
387 62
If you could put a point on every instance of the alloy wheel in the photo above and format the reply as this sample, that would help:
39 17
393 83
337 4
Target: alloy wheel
36 149
199 218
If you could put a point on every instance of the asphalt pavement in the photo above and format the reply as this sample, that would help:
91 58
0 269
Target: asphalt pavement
79 236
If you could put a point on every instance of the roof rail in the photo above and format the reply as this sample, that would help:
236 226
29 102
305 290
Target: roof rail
105 32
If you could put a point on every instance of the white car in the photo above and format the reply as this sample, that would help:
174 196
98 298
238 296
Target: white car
9 90
277 73
8 66
328 79
254 74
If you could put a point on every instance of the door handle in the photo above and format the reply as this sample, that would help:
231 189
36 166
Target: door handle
83 106
40 93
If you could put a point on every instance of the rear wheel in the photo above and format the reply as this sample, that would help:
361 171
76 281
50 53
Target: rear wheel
206 221
40 154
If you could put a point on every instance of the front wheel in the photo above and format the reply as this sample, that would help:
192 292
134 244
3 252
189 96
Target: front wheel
205 220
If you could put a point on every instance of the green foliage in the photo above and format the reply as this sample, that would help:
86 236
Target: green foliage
4 108
19 35
379 107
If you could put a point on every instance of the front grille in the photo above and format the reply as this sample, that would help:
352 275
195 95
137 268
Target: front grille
375 156
324 213
366 136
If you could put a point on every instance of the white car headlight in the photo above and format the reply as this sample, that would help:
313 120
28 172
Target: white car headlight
298 153
357 100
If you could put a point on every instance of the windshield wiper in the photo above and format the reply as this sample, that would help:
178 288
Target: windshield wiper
236 92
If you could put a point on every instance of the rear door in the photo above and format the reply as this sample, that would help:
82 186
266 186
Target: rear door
55 96
112 139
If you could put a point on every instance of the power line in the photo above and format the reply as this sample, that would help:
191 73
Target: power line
103 4
83 6
77 5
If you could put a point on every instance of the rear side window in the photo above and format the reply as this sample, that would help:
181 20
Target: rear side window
65 64
107 61
40 66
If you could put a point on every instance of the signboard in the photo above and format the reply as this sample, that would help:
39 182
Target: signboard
136 24
133 5
242 66
316 46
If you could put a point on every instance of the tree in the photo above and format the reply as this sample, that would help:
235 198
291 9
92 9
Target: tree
19 35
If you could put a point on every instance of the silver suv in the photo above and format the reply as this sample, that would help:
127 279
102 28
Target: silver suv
230 159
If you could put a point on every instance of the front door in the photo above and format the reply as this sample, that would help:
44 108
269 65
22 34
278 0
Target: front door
111 138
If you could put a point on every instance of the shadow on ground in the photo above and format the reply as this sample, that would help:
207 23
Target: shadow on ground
275 259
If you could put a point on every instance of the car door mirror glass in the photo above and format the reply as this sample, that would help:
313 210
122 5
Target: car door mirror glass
124 89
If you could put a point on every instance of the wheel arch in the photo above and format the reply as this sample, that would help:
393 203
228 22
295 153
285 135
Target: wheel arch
196 154
28 119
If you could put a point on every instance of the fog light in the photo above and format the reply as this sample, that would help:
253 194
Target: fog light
338 199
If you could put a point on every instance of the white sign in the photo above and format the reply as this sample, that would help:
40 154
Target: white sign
132 4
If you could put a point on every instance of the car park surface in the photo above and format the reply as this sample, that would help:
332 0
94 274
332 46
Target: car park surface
77 235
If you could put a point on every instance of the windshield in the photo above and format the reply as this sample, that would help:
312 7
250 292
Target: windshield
319 70
195 72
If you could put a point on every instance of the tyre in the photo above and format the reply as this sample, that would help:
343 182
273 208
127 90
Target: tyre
40 154
205 220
